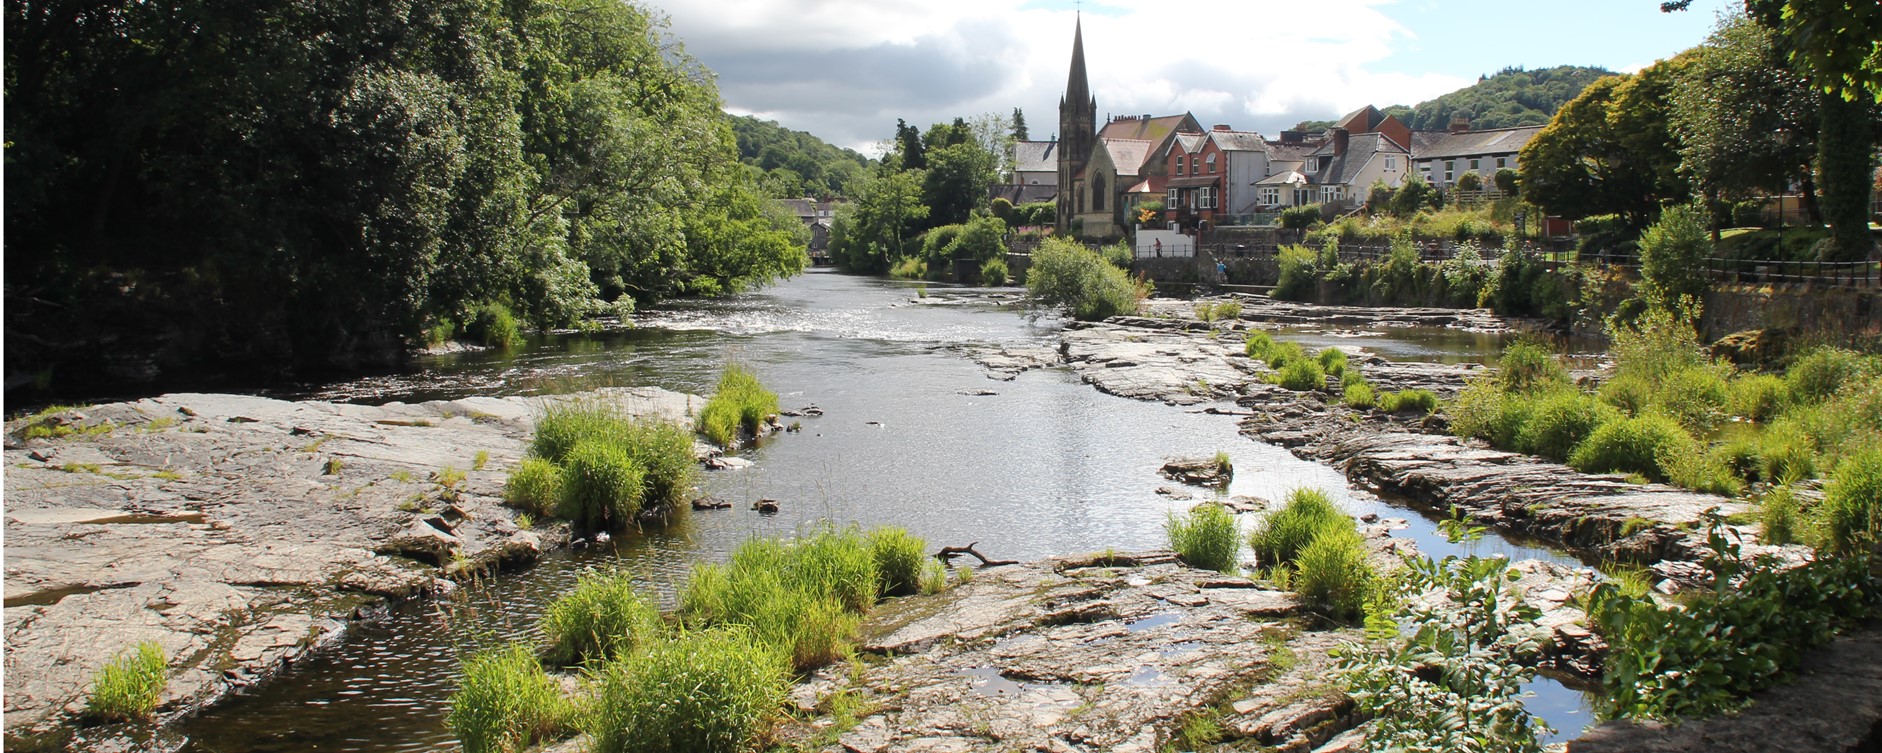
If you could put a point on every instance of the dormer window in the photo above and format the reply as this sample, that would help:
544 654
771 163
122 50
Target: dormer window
1211 159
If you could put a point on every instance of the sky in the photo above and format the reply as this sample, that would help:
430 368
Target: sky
845 70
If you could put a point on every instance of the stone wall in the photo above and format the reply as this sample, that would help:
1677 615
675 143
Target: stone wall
1837 315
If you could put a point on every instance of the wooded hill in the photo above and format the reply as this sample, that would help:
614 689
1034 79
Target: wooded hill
795 162
1513 97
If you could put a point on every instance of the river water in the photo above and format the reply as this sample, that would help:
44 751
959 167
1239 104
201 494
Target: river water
913 434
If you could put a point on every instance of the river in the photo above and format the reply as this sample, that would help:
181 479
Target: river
913 433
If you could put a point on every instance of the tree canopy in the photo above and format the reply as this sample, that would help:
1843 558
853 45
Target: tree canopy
1609 150
1512 97
796 163
288 185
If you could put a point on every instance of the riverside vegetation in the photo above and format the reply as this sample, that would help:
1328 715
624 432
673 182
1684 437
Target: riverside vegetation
129 687
713 675
1086 284
467 166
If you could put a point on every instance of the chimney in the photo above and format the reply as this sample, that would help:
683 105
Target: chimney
1340 139
1460 123
1223 128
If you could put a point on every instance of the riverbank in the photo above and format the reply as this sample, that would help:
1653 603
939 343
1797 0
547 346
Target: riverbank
241 533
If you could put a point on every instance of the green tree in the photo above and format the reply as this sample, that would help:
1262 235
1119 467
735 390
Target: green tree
1019 125
909 146
871 232
1744 121
1608 151
1672 258
1414 196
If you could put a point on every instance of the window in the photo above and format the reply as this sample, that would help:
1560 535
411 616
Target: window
1391 163
1329 194
1211 164
1097 192
1303 196
1474 166
1179 164
1175 199
1499 163
1270 195
1449 166
1205 197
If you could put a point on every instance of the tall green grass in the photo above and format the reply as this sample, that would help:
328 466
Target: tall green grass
1206 537
1560 420
708 691
1643 445
899 558
506 703
1331 572
129 687
1301 375
602 466
741 404
601 618
1408 401
1281 536
1851 513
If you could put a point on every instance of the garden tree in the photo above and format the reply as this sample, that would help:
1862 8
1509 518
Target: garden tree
1019 126
870 233
1470 181
964 160
984 238
1744 121
1413 197
908 144
1379 197
1837 46
1608 151
274 185
1505 180
738 239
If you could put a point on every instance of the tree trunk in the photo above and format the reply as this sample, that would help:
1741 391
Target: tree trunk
1846 164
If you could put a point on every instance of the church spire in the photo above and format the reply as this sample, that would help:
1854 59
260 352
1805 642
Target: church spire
1077 88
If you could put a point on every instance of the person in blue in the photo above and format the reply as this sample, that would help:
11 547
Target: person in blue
1222 270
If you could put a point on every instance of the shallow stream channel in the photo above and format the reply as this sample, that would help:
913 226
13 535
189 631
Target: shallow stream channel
912 433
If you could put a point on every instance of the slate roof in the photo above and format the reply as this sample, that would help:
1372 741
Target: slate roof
1360 148
1290 152
1193 181
1140 129
1026 194
1035 156
1284 177
1478 143
805 208
1238 141
1127 155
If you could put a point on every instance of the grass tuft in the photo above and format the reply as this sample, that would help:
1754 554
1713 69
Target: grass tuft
506 703
1332 573
709 691
129 687
1205 538
1279 537
740 404
602 618
602 486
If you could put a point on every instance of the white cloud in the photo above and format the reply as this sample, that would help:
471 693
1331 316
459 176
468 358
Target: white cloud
845 70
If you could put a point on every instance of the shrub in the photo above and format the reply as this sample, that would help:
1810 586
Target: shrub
1526 366
129 687
1559 421
1821 372
1358 396
710 691
993 273
1777 516
740 403
506 703
1407 401
1643 445
602 486
1282 354
1205 538
899 556
1758 397
909 268
1787 453
1485 411
1300 217
1632 393
535 485
1851 513
1069 276
1259 344
1332 573
602 618
1703 472
1280 536
665 450
1333 360
1299 273
494 325
1694 397
1301 375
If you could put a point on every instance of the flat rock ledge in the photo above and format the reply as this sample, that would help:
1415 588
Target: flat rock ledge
1092 653
240 533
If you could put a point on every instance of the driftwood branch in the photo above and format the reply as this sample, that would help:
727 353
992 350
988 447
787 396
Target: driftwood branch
948 553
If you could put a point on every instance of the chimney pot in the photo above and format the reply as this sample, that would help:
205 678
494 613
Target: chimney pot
1222 128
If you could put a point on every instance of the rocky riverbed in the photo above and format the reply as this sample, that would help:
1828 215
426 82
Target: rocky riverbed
240 533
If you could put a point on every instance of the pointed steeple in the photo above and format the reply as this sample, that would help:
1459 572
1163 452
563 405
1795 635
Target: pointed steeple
1077 88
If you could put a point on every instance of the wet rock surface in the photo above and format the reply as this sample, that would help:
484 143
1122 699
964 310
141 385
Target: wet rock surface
1093 653
238 533
1288 313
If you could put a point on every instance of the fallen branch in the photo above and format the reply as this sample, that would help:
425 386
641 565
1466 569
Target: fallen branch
948 553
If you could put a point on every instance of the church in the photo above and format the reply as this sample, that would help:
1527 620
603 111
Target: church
1103 173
